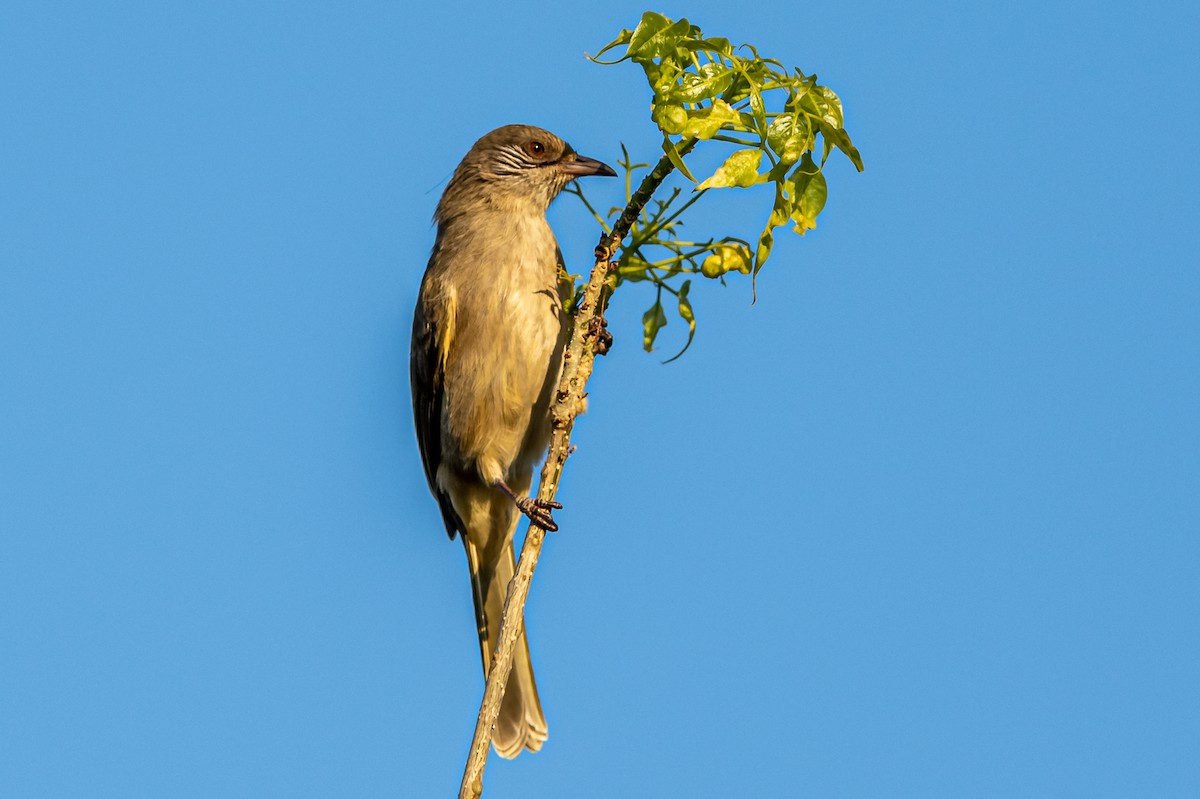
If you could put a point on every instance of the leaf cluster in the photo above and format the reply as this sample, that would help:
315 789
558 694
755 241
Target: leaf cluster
707 90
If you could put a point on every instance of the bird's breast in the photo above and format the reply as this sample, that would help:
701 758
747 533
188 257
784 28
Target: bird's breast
508 325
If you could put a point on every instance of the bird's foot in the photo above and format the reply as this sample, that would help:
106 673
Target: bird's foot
598 330
538 511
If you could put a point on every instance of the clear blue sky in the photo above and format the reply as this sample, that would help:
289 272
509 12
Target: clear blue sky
921 522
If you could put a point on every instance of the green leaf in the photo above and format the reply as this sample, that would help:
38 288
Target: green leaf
766 241
676 159
656 37
807 168
779 215
738 90
789 137
717 45
810 192
685 305
651 25
707 122
707 82
832 107
654 77
653 320
622 38
841 139
687 315
740 169
632 267
812 201
757 108
812 104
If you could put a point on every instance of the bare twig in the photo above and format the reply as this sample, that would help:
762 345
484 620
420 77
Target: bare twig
578 360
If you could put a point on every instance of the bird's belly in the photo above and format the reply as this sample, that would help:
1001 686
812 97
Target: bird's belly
503 424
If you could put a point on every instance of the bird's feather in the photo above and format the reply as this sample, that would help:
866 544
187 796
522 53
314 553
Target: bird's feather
426 373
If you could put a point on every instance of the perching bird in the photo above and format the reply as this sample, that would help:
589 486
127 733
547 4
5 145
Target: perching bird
487 342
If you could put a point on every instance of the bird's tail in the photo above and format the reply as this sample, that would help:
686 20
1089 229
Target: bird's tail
521 723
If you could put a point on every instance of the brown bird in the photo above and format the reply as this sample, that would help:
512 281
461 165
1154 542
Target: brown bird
488 335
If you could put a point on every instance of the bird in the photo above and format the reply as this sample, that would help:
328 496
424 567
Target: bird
489 329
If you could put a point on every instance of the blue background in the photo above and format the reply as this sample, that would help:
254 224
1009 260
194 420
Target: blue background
920 522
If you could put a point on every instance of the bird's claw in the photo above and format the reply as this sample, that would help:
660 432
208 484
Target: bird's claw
538 511
598 328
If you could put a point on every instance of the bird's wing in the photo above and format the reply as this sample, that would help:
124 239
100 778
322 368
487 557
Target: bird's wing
425 373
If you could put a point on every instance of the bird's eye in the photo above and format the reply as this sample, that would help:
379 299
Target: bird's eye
535 148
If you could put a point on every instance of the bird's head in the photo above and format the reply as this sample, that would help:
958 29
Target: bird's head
517 166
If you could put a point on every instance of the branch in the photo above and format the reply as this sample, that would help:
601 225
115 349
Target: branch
578 360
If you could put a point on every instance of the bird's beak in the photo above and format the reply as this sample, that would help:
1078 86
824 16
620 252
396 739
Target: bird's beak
580 166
